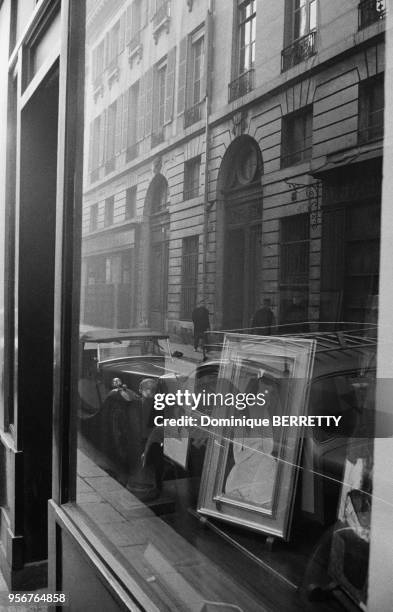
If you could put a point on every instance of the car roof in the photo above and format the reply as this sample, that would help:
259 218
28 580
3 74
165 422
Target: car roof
339 351
110 335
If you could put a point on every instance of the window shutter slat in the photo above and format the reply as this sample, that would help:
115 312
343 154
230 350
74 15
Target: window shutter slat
181 92
149 101
170 85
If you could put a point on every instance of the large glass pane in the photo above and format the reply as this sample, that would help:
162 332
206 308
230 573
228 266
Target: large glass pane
227 328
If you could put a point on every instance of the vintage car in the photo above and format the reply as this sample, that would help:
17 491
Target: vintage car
113 365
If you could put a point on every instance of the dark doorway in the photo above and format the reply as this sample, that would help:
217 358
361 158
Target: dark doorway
35 302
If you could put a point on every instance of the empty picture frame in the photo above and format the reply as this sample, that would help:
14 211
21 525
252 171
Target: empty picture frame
249 474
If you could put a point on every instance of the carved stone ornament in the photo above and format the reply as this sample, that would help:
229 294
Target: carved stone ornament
157 165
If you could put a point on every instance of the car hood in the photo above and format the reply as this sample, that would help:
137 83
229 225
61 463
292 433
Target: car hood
145 367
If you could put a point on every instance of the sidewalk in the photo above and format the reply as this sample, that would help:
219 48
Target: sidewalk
188 351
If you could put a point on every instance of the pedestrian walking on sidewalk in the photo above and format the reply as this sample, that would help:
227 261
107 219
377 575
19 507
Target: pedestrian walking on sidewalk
200 319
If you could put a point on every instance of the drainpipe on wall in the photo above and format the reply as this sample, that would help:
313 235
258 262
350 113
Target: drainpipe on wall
207 204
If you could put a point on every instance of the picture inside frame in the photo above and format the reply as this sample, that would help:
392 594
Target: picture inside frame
249 473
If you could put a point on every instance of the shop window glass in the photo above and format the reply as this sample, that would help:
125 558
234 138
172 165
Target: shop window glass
202 515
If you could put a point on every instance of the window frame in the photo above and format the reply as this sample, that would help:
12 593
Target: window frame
288 154
367 89
93 217
109 211
241 68
192 176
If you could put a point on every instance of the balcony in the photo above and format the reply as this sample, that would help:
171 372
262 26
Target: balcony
370 11
298 51
242 85
161 19
193 114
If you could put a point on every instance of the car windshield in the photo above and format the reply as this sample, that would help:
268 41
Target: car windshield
135 347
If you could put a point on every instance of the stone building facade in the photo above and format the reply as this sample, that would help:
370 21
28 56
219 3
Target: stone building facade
225 150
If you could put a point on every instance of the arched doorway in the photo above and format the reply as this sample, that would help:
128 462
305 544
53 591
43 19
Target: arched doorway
241 192
156 211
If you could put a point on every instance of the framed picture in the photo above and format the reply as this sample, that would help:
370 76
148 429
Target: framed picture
249 473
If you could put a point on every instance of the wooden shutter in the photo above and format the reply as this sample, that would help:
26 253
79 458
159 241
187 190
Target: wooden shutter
148 101
119 124
155 105
170 85
141 108
128 32
144 13
126 107
181 92
288 22
107 49
332 262
122 30
91 136
208 59
102 149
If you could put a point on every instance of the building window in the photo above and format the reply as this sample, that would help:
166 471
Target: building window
296 137
108 211
94 158
132 145
93 223
371 11
159 88
371 109
110 138
189 285
245 41
294 268
134 23
300 32
113 46
98 63
192 170
130 211
161 17
196 94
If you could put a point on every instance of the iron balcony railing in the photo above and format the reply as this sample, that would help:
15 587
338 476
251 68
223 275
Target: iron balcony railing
162 13
298 51
370 11
193 114
291 157
242 85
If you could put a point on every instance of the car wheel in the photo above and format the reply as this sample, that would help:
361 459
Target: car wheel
120 434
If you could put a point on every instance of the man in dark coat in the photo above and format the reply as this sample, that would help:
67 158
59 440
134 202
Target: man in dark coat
200 318
264 319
